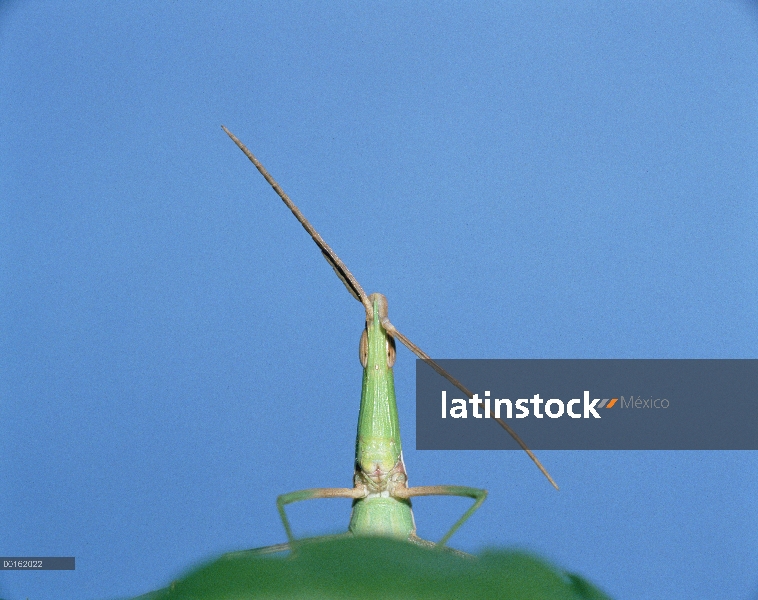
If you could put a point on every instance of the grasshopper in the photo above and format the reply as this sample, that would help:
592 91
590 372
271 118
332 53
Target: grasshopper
380 493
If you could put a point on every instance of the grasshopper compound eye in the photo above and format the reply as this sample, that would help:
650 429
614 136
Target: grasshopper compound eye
390 351
363 349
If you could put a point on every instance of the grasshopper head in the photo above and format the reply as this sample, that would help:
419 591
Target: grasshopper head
378 448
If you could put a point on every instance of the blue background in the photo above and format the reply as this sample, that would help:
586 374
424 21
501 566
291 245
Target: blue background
521 180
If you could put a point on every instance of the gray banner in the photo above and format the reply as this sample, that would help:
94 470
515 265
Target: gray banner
563 404
37 563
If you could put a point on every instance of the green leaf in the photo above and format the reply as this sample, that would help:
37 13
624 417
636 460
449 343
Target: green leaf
377 568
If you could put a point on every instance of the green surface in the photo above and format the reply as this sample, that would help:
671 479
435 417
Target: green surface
373 568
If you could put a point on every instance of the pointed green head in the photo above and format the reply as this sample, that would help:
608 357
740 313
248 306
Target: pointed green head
378 447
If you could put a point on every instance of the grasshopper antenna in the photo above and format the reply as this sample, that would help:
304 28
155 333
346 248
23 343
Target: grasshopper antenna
351 283
355 289
390 328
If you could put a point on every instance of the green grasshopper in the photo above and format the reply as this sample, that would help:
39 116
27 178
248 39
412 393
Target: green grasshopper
380 493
